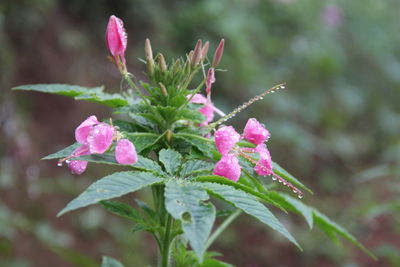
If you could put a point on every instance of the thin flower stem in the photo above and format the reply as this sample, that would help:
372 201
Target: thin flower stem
222 227
245 105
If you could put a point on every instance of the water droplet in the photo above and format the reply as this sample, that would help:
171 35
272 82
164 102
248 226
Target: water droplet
59 164
284 183
280 181
300 196
274 178
67 161
294 191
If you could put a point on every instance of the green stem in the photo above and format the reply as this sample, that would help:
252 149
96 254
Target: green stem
167 241
222 227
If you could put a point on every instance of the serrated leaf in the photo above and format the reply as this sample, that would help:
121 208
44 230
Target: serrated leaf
171 160
206 146
110 262
142 140
250 205
333 228
122 209
195 167
148 165
111 100
60 89
290 178
63 153
111 186
188 198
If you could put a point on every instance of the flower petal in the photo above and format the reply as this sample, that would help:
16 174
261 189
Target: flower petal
255 132
225 139
125 152
83 130
228 167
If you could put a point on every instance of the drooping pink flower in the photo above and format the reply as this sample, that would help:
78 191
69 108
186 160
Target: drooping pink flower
83 130
198 99
116 37
207 109
228 167
125 152
100 138
264 164
78 166
255 132
210 80
225 139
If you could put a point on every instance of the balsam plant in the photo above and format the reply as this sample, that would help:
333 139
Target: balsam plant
170 141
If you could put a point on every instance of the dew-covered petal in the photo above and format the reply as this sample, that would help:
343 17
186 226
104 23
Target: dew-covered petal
100 138
78 166
228 167
83 130
225 139
116 37
264 164
125 152
208 111
255 132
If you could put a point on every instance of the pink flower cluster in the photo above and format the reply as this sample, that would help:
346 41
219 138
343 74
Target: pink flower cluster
225 140
96 138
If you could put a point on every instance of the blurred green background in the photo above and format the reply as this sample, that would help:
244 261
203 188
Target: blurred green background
336 126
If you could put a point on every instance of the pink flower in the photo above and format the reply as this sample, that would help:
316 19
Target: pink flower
83 130
116 37
228 167
225 139
255 132
125 152
264 164
100 138
332 15
78 166
207 109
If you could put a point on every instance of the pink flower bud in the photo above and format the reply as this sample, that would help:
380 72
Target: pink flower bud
197 99
255 132
83 130
228 167
78 166
100 138
218 53
125 152
210 80
264 164
116 39
225 139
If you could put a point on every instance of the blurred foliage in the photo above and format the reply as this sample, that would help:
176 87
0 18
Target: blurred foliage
338 117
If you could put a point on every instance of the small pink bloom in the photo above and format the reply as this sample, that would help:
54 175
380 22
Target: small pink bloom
125 152
228 167
83 130
100 138
255 132
210 80
208 111
116 37
225 139
198 99
78 166
264 164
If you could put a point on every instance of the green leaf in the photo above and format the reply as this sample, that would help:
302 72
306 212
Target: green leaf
224 181
205 145
171 160
111 186
146 164
294 205
192 115
110 262
290 178
185 198
195 167
106 158
111 100
142 140
250 205
63 153
122 209
333 228
60 89
91 94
